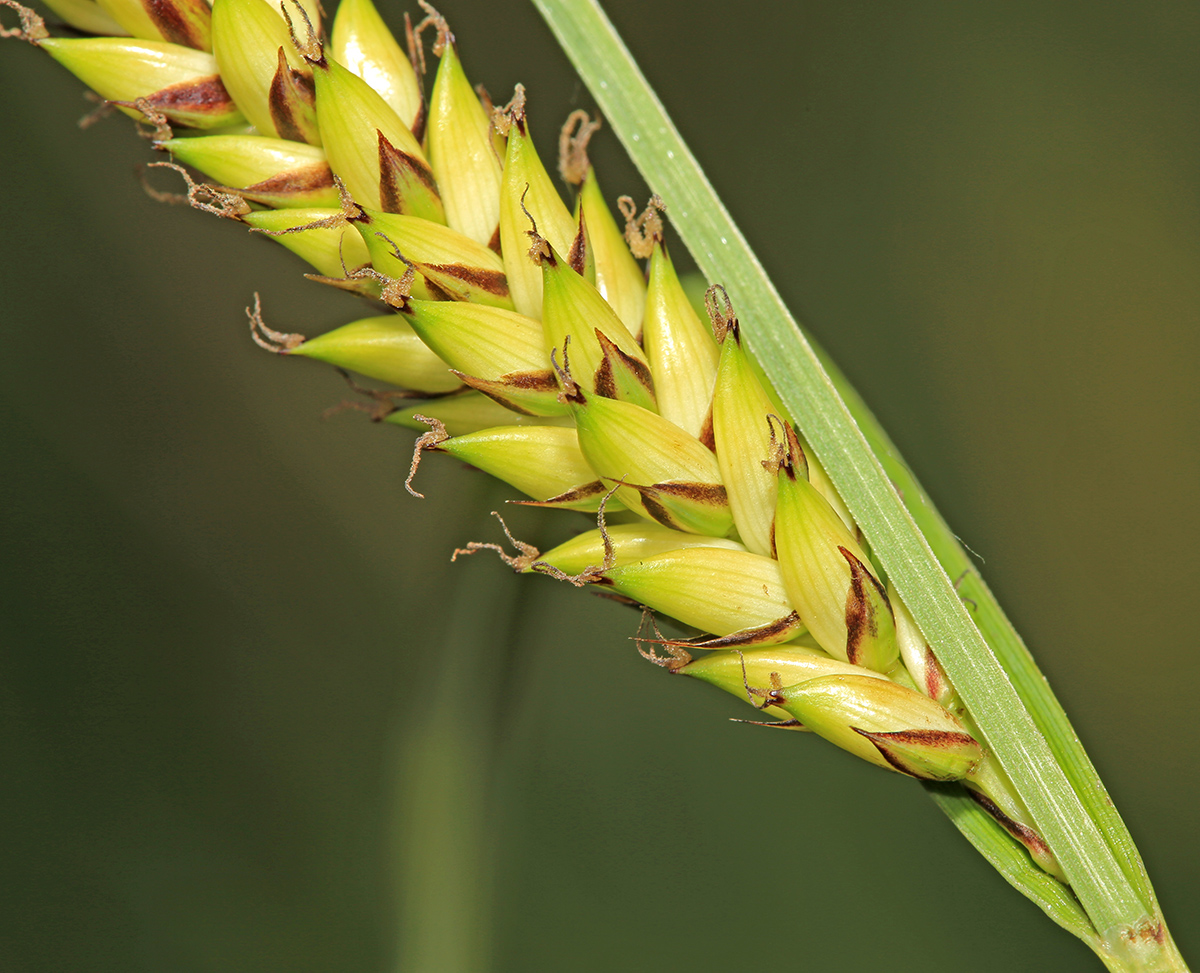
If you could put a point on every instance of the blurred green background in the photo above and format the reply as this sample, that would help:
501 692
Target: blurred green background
254 719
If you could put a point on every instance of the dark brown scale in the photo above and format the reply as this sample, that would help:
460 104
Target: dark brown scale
492 281
495 390
605 377
1027 836
860 612
204 96
761 635
577 257
176 25
397 169
585 492
707 434
298 181
290 90
709 493
939 739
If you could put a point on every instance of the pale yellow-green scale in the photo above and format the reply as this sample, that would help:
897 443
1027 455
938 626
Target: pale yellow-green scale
714 590
619 279
386 348
525 178
540 461
659 470
370 147
361 41
325 248
828 577
247 37
679 347
572 313
743 437
464 269
463 153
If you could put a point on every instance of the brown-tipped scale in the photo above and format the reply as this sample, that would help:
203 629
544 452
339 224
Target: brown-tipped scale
184 22
736 595
885 724
370 148
603 356
660 471
829 578
275 172
263 70
499 352
179 82
456 266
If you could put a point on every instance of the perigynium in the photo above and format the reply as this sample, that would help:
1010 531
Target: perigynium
654 472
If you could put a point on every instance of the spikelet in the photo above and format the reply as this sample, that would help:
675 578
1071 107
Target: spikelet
528 341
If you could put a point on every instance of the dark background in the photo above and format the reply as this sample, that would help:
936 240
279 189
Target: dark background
254 719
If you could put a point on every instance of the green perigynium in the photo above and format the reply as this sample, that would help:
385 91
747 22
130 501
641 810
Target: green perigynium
526 338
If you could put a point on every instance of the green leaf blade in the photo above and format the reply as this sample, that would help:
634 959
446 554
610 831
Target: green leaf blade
1004 690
